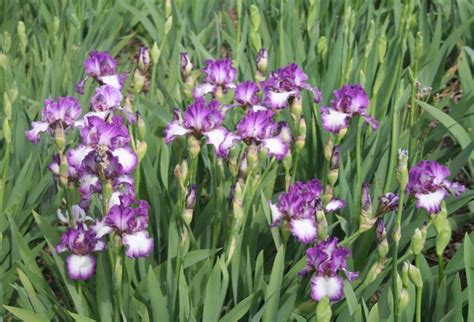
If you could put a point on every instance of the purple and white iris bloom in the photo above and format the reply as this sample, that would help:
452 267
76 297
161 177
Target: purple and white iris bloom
388 202
60 114
131 224
80 242
259 127
246 94
219 74
298 207
285 84
350 100
427 182
103 68
106 98
327 260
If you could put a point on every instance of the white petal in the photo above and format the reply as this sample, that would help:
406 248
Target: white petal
334 121
126 157
257 108
304 230
332 287
276 100
216 137
101 229
33 135
138 244
334 205
276 147
277 216
203 89
80 267
77 155
431 201
112 80
173 130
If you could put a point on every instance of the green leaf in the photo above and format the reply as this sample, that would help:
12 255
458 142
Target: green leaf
26 315
469 261
238 311
272 293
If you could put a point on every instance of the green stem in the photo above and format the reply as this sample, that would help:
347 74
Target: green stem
358 186
396 237
295 166
419 292
440 268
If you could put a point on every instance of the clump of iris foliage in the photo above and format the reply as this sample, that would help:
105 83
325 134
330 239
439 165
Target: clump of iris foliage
236 160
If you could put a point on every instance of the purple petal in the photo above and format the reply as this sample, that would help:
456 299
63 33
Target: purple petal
335 205
33 135
431 201
126 157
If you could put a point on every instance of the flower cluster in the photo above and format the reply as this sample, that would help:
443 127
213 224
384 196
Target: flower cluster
427 182
258 128
326 260
101 166
298 207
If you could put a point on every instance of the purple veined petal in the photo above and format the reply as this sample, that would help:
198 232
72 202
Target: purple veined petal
54 166
105 98
332 287
100 245
374 124
431 201
317 95
246 93
220 72
350 98
203 89
138 244
126 157
276 147
222 140
80 267
334 121
455 188
80 86
33 135
351 276
101 229
304 230
77 155
88 184
173 130
83 121
277 216
335 205
256 108
276 100
100 63
120 218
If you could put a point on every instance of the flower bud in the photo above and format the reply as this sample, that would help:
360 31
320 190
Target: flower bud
262 60
7 41
301 138
328 194
405 279
415 275
21 31
417 242
233 161
155 53
285 132
322 224
342 133
374 271
328 149
59 138
237 202
323 310
141 126
168 24
419 50
142 58
382 242
139 81
366 200
181 173
63 172
322 48
402 168
365 222
296 108
191 197
254 17
142 147
194 147
186 66
382 48
252 157
3 61
80 86
403 301
388 202
7 106
168 8
288 162
442 239
56 23
7 131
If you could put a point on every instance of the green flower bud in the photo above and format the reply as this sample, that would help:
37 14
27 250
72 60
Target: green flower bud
403 301
254 17
366 222
328 194
374 271
322 224
7 41
181 173
188 216
442 239
138 81
402 168
415 276
237 202
7 131
323 310
168 24
194 147
233 161
417 242
342 133
7 106
328 149
21 31
419 44
382 48
141 127
296 108
63 172
56 23
252 156
59 138
168 8
405 279
155 53
301 138
142 147
3 61
288 162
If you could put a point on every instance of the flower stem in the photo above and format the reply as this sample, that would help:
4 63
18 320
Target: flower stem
349 240
396 237
419 292
440 268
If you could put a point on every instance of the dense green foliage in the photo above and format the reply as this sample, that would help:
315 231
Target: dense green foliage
395 50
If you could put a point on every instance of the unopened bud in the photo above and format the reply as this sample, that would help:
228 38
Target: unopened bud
63 172
365 222
328 149
403 301
296 108
21 31
366 201
155 53
402 168
191 197
7 106
185 65
188 215
301 138
142 147
3 61
252 157
285 132
141 126
168 24
181 173
322 224
442 239
56 23
415 275
288 162
254 17
142 58
342 133
168 8
59 138
405 279
328 194
374 271
7 41
262 60
419 44
194 147
322 48
237 202
233 161
417 242
139 81
382 48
